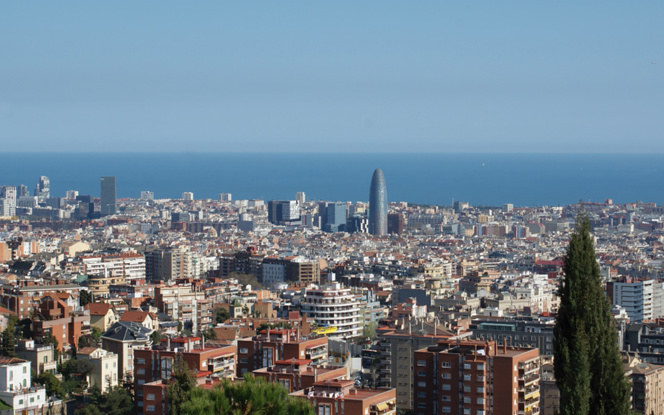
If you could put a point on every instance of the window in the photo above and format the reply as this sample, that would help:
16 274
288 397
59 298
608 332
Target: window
421 404
446 398
244 350
150 397
244 360
140 372
421 384
447 410
150 408
25 369
447 364
446 375
140 361
421 363
421 373
447 387
20 401
421 394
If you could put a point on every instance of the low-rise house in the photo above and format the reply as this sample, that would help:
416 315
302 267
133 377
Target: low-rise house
104 372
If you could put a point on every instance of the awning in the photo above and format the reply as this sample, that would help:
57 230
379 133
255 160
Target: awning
381 407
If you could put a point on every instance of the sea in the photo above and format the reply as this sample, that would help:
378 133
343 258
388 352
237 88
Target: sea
428 179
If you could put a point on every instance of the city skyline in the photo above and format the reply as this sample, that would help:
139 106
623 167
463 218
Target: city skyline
436 77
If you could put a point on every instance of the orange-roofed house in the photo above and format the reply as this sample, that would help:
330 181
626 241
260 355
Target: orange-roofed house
144 318
102 315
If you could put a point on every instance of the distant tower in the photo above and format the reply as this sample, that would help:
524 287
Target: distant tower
108 195
300 198
43 189
378 204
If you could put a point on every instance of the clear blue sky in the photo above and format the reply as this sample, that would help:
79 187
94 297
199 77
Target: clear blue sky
397 76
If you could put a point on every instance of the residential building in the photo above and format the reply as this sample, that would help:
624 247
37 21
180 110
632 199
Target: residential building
341 397
635 296
122 339
476 377
102 315
41 357
104 373
297 374
336 308
270 346
16 389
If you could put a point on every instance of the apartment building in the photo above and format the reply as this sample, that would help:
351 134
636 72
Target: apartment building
185 303
157 364
271 346
340 397
104 373
336 308
297 374
125 266
476 377
642 299
16 389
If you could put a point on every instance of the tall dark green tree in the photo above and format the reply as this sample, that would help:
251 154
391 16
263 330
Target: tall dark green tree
587 362
9 338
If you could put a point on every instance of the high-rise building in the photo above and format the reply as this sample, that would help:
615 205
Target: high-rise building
187 196
283 212
332 216
395 223
475 377
336 308
300 198
108 206
22 190
8 200
43 188
378 204
147 195
71 194
225 197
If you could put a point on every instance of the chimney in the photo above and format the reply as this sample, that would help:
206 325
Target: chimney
203 342
505 346
169 343
353 391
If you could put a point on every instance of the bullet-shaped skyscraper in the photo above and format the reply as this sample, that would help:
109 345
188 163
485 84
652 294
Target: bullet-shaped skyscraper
378 204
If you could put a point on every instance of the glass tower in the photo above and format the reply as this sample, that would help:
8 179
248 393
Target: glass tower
108 195
378 204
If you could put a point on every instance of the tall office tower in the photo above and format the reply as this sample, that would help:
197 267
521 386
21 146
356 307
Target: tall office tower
225 197
22 190
332 216
147 195
187 196
300 198
43 188
378 204
283 212
108 195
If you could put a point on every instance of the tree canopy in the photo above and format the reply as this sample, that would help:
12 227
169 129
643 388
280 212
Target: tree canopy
587 363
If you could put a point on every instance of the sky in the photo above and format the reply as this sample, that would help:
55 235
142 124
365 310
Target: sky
332 76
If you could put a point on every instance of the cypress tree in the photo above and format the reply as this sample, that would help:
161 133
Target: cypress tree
587 362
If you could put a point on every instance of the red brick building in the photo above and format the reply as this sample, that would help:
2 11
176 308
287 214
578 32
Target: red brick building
339 397
475 377
266 348
296 374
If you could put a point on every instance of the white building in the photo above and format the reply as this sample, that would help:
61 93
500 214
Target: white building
300 198
147 195
16 388
636 297
225 197
131 266
187 196
334 306
104 372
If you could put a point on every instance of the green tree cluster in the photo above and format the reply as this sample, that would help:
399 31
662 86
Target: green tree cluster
222 315
116 401
251 396
587 363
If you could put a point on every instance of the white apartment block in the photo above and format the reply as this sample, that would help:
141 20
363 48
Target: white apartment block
16 388
637 298
130 266
334 306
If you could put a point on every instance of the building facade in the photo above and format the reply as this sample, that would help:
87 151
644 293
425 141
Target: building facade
378 204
